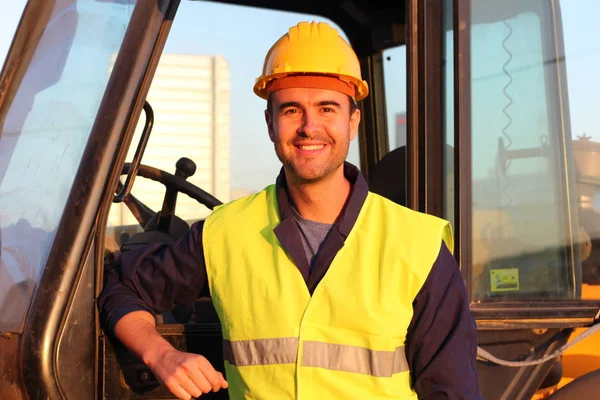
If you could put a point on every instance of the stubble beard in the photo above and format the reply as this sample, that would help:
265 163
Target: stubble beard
311 173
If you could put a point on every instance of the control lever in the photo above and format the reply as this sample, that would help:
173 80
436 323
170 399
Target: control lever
184 168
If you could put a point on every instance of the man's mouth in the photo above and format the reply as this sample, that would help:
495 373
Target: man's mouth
310 147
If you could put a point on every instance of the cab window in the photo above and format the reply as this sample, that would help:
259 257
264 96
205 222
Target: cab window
43 133
534 141
519 213
388 176
205 108
581 60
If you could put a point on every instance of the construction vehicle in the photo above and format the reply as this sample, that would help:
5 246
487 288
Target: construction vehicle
488 145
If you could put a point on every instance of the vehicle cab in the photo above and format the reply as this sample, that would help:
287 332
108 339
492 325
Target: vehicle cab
123 122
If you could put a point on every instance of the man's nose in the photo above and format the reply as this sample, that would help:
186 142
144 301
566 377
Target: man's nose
310 124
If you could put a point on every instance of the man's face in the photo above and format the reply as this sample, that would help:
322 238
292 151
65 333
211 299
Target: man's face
312 130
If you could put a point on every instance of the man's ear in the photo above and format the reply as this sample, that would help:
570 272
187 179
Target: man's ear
354 123
269 121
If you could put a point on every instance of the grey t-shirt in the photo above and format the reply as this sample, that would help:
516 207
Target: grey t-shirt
312 234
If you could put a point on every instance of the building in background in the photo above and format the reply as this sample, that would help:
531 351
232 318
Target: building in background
190 96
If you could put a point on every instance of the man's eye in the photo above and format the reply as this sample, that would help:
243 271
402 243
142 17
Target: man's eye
327 109
290 111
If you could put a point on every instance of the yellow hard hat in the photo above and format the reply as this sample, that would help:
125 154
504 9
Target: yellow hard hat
311 48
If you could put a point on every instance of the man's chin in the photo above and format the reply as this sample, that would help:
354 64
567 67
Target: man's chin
310 172
309 175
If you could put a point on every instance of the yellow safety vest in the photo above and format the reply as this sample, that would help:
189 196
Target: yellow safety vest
346 341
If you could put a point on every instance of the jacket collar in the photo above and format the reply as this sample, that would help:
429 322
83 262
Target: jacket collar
348 216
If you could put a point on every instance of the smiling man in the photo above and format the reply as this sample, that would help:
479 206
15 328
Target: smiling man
324 290
312 129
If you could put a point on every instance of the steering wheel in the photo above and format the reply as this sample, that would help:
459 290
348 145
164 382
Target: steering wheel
165 220
164 226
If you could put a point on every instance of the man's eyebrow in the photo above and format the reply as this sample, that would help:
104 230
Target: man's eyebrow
329 103
321 103
288 104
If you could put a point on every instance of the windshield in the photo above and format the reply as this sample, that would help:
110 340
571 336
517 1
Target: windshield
43 133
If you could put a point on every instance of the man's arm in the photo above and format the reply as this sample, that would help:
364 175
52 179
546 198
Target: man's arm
152 280
186 375
442 336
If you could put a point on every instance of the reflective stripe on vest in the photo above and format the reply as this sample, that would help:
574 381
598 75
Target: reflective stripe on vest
346 340
331 356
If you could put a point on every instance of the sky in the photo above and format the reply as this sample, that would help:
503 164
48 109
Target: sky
244 37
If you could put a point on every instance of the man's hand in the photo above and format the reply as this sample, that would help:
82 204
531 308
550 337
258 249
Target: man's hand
185 375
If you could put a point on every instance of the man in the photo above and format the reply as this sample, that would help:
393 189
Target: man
323 289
